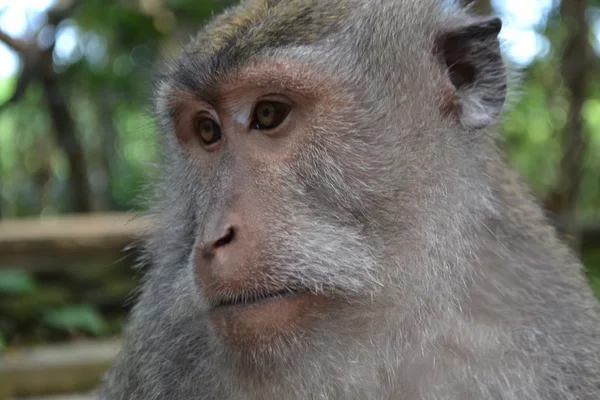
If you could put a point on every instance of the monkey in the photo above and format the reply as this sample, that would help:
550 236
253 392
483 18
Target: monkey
335 218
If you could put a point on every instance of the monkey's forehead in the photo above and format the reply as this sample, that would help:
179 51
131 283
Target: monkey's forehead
259 23
255 27
252 27
246 31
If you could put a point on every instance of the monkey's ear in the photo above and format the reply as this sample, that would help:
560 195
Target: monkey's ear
476 73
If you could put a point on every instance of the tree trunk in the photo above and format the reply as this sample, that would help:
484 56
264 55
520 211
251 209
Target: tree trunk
1 196
108 150
575 69
64 128
38 65
481 7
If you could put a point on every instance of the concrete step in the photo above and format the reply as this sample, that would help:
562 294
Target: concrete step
51 370
65 397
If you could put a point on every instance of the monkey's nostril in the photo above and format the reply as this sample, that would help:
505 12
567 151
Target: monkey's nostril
208 249
225 239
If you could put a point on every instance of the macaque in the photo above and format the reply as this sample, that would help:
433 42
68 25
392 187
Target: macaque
335 219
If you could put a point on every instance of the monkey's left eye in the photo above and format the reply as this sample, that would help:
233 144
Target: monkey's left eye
269 115
208 131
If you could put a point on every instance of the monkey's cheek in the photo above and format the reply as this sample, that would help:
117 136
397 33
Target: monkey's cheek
259 326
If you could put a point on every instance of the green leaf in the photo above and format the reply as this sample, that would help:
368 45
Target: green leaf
84 317
3 343
15 281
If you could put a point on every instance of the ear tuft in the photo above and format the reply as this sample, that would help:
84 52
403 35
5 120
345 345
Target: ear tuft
470 55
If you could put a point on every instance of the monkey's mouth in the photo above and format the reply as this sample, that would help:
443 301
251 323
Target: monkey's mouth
253 319
255 298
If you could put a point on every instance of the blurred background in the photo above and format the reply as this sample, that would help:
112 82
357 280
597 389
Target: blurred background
77 146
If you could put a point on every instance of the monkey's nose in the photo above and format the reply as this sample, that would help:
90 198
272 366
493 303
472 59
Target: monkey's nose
223 249
210 247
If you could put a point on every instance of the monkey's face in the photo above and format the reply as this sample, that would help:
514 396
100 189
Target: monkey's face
314 168
280 246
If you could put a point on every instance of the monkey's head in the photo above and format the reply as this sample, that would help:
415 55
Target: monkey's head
309 147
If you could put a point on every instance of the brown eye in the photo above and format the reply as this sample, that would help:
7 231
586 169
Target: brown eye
208 131
269 114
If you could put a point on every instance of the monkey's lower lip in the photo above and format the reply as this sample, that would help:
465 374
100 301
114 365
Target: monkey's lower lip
244 300
256 323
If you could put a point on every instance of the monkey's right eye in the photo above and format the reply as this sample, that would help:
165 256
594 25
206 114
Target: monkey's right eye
269 115
208 131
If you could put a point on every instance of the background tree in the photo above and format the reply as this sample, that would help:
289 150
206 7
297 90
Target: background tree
575 68
482 7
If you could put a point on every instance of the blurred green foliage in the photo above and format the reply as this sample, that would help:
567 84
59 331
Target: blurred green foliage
16 281
107 77
21 288
63 303
532 129
82 316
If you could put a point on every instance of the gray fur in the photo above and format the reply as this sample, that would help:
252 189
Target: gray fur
460 288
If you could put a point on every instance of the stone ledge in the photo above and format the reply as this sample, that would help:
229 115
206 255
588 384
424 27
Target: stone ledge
48 370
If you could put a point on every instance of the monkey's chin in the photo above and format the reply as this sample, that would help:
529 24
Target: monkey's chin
259 325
